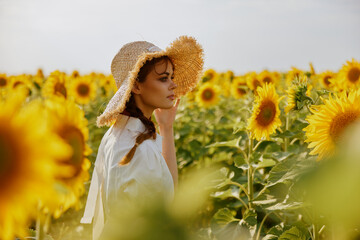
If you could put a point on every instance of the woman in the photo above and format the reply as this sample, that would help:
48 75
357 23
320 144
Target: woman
134 162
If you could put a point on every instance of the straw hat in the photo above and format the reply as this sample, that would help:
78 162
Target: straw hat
185 53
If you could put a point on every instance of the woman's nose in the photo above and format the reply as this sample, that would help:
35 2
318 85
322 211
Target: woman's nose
173 85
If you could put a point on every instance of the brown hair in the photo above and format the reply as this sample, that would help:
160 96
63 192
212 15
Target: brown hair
132 110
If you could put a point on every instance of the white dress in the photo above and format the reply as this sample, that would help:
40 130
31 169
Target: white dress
147 171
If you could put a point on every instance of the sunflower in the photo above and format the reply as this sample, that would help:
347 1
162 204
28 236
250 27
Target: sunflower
209 75
349 74
23 81
108 85
253 81
229 75
69 123
4 81
83 89
26 169
265 118
329 121
223 81
267 77
4 84
312 69
38 79
238 87
292 74
56 85
298 94
325 79
208 95
75 74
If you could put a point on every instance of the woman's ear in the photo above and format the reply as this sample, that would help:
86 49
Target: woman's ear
136 89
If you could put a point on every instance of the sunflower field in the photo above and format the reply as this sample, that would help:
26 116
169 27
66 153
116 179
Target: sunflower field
262 155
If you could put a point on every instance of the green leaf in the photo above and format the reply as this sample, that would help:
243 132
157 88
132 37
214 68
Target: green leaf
221 178
282 169
270 237
280 156
223 217
266 163
239 161
286 206
276 230
287 134
250 217
239 126
231 143
293 234
229 193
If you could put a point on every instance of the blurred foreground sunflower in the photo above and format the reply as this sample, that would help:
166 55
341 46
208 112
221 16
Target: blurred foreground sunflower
69 123
329 121
208 95
26 170
265 117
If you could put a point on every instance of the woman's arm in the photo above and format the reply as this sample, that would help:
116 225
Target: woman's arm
165 119
168 150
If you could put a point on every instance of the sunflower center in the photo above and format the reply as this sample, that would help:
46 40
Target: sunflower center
267 80
17 83
267 113
83 89
240 90
3 82
340 122
256 83
207 94
9 156
354 74
75 139
326 80
75 74
60 88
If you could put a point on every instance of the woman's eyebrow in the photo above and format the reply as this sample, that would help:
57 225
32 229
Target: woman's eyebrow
166 73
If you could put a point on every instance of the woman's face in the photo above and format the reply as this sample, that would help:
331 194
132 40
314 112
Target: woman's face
154 92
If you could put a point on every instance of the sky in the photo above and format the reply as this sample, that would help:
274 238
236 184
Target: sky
237 35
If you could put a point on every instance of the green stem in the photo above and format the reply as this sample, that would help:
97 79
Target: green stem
257 145
286 139
244 154
315 232
245 205
39 228
261 224
240 186
250 175
308 109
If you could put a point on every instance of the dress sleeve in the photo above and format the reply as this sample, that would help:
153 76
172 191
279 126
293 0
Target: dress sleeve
94 200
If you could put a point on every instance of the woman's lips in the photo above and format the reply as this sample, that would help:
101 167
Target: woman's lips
172 97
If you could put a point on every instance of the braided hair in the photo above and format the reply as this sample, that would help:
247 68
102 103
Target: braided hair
132 110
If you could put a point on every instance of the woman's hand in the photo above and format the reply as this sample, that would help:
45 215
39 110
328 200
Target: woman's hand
166 117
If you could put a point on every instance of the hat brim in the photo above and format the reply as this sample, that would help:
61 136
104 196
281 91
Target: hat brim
188 59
